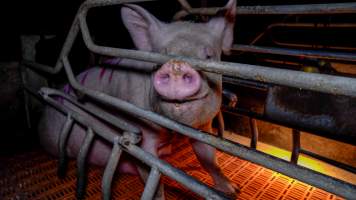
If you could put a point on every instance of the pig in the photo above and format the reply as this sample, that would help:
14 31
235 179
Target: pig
329 115
175 90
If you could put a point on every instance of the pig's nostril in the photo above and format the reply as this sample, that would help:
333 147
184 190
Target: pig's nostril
188 78
164 78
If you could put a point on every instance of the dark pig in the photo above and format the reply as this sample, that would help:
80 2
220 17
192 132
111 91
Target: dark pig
175 90
329 115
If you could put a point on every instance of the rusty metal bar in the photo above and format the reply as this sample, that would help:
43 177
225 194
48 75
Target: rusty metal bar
311 81
298 9
81 161
296 146
110 169
314 178
151 184
162 166
62 142
221 124
254 132
350 57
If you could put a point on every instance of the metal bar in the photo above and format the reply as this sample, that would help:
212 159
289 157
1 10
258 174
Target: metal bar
151 184
62 143
164 167
185 5
330 161
254 132
303 174
176 174
100 3
81 161
110 169
102 132
246 83
26 97
350 57
296 146
249 113
313 25
315 46
221 124
72 35
298 9
311 81
113 120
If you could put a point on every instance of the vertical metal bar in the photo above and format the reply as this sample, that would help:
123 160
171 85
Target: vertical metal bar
296 146
110 169
26 96
81 171
221 124
62 143
151 184
254 132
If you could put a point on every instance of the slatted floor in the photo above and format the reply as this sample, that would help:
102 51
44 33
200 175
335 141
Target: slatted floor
32 175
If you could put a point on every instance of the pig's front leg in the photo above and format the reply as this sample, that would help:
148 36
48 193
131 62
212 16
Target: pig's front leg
150 143
206 156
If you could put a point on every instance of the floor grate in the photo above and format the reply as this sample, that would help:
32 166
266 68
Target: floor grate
32 175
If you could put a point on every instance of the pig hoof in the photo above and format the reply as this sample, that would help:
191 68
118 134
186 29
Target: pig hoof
231 190
165 150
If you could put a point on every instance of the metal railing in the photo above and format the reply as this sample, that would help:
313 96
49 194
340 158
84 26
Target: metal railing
128 140
298 9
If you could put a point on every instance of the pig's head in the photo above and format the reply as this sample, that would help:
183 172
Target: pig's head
189 96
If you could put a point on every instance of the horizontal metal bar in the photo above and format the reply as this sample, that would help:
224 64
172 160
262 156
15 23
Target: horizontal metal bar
164 167
319 180
246 83
113 120
323 9
298 9
259 116
311 81
330 161
110 169
151 184
100 3
350 57
312 25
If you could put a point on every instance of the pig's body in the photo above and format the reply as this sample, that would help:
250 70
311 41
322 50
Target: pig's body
176 90
104 80
332 115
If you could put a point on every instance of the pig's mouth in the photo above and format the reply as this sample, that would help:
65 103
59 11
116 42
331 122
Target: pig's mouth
197 97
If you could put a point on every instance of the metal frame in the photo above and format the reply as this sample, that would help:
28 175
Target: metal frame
128 140
334 56
301 9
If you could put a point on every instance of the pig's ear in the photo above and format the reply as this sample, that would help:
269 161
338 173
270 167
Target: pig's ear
141 26
224 26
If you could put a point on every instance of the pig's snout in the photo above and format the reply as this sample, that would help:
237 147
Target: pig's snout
176 80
